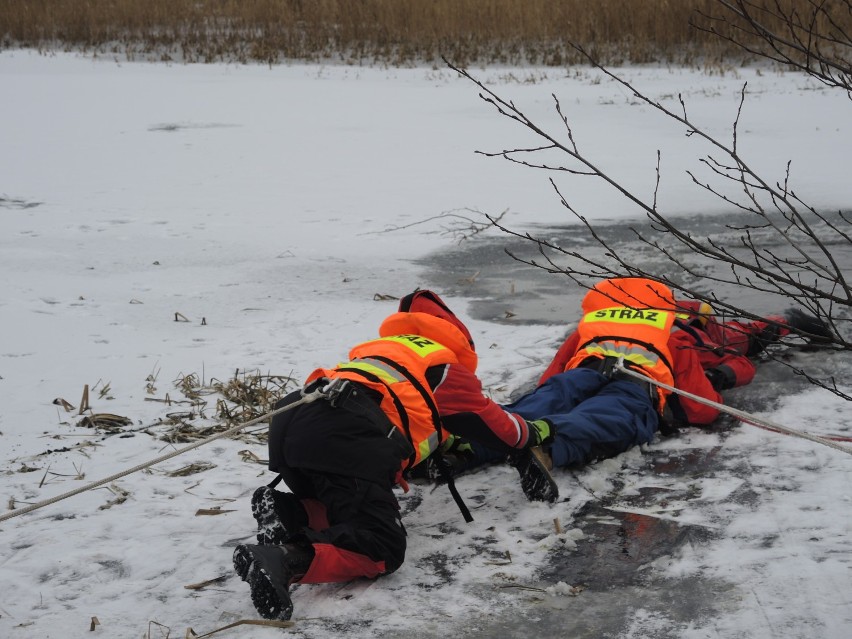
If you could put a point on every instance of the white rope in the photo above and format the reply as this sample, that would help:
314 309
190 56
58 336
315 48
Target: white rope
322 392
742 415
309 397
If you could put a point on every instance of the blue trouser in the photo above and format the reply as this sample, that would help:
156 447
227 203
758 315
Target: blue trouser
592 416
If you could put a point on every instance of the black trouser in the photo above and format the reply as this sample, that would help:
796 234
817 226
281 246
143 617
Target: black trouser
363 516
344 460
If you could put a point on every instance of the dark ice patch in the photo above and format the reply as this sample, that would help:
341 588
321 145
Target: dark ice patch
17 203
171 127
506 290
617 546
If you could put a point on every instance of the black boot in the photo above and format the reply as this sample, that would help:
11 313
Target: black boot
534 466
266 506
269 571
815 330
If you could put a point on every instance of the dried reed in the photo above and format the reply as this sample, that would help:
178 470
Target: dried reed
247 395
395 32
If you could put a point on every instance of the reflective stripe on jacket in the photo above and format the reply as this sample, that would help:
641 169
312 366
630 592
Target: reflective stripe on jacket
395 366
630 318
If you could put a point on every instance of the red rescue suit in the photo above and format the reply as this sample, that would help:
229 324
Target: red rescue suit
697 343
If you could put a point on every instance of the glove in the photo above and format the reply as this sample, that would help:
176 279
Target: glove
769 334
455 445
816 331
452 458
721 378
541 432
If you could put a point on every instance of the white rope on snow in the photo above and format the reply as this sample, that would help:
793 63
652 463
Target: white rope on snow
320 392
748 418
309 397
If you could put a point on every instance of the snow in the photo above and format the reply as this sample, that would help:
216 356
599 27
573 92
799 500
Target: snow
263 201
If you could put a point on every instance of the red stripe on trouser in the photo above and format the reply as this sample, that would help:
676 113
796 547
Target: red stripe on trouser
333 565
317 515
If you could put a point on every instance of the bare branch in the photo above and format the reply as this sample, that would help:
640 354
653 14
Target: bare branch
780 246
814 43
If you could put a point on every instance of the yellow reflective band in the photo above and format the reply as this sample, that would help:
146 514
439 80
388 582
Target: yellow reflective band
428 445
381 372
624 315
417 343
638 356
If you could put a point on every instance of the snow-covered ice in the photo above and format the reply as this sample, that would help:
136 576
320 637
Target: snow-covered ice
279 211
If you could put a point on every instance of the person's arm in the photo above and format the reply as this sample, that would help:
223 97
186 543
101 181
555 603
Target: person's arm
703 371
465 411
689 376
751 338
720 350
730 371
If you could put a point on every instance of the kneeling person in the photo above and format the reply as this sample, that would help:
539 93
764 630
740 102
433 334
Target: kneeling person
380 414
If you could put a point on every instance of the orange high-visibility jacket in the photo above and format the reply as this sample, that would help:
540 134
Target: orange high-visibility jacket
395 365
630 318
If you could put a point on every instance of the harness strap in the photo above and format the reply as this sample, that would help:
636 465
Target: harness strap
425 394
609 367
631 340
436 422
400 408
346 396
343 393
451 484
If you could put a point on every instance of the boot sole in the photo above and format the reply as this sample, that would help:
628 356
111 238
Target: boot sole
267 600
265 597
242 561
270 529
536 481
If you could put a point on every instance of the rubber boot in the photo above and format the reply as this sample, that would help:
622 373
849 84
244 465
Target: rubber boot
269 571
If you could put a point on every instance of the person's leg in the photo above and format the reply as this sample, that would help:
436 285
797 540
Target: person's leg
282 515
354 530
617 418
559 394
365 536
269 571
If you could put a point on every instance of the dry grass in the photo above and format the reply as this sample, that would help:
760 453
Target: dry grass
394 32
242 398
249 394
